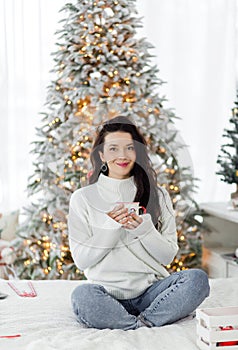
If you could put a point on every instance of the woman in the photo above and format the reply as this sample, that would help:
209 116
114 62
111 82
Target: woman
122 254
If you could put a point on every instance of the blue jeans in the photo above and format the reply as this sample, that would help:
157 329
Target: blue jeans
164 302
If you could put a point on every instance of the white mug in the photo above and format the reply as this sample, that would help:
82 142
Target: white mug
133 207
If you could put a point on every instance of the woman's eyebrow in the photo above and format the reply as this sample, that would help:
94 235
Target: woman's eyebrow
116 144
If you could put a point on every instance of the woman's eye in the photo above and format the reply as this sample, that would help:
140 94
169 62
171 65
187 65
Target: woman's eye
131 148
112 149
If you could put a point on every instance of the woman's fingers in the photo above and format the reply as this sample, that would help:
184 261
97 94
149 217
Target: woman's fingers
118 213
133 220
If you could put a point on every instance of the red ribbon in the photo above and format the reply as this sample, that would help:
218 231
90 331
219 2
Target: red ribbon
10 336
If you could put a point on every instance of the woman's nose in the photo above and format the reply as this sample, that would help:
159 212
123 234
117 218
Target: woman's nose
122 153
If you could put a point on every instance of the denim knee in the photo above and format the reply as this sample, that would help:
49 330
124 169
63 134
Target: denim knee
82 294
200 279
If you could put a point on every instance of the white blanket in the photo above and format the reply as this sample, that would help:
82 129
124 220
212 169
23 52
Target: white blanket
47 322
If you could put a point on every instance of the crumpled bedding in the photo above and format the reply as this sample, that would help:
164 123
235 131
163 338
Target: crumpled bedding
46 322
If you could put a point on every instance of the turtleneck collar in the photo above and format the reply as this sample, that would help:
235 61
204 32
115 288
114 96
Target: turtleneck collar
113 184
115 190
106 192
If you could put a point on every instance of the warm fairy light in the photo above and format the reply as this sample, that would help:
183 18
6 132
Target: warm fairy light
64 248
46 253
27 242
235 111
47 245
162 150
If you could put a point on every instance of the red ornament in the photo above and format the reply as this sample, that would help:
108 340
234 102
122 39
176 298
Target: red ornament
89 174
227 343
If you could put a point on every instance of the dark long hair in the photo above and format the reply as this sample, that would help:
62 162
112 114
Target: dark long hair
144 175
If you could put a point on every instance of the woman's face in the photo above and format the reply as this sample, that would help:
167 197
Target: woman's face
119 154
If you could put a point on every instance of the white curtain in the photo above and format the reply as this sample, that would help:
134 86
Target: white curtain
26 39
195 49
196 43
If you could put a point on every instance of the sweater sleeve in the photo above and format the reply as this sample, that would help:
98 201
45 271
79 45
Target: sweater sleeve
89 243
160 244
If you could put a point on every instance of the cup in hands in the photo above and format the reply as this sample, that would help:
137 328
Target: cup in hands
133 207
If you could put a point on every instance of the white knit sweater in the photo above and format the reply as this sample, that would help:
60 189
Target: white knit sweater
125 262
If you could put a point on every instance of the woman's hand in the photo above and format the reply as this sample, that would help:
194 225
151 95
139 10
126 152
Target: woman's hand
120 214
132 221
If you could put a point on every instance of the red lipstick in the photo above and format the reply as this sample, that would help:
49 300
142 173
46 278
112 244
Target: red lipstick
123 165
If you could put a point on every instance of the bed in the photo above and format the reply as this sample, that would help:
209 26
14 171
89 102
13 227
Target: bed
46 322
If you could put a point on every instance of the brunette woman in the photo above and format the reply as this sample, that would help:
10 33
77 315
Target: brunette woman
123 254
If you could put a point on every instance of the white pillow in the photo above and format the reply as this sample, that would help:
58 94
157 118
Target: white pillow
8 225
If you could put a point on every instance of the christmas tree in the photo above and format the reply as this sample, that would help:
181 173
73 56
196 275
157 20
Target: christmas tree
101 70
228 159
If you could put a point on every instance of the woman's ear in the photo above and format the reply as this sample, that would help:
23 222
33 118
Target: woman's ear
101 156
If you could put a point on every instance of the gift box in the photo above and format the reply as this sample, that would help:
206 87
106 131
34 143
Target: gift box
217 328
